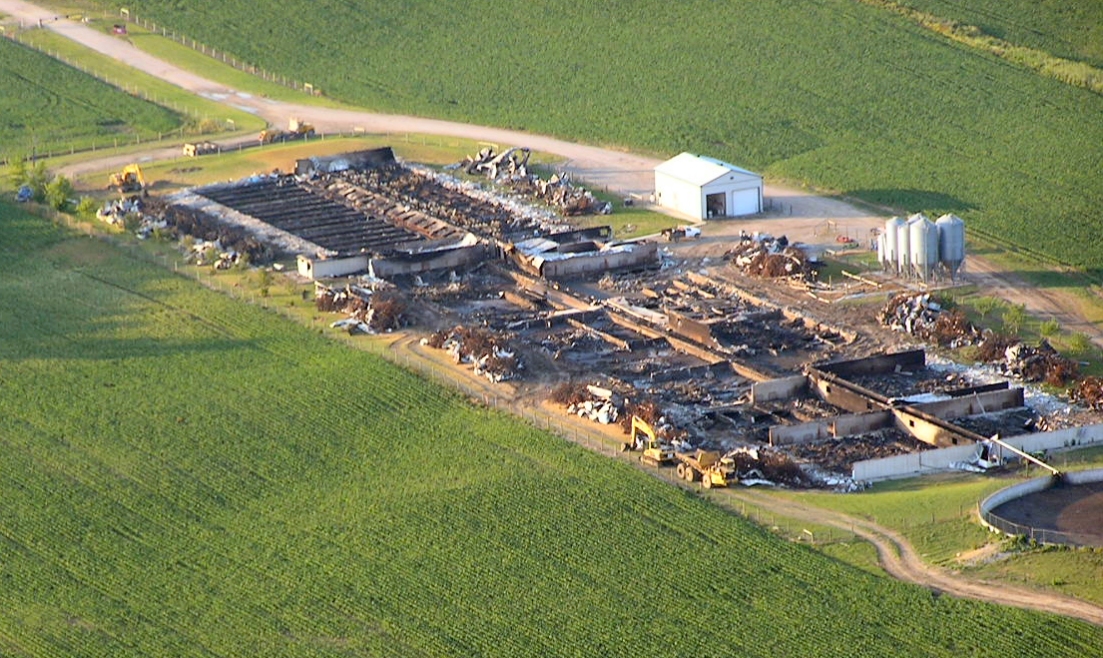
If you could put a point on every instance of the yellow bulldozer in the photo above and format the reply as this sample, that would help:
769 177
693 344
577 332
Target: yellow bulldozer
296 129
655 453
129 180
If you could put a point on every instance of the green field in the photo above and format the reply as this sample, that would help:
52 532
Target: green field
48 105
839 94
183 474
1065 28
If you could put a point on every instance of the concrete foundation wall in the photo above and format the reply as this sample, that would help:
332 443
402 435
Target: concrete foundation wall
1085 477
1071 437
396 265
928 430
977 403
839 426
785 435
916 463
861 423
644 254
778 389
843 396
874 365
1015 491
314 268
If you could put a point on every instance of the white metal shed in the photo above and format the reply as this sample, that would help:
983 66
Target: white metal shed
704 187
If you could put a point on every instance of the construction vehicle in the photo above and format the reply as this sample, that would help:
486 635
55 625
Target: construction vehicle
655 453
680 232
706 465
192 150
296 129
130 179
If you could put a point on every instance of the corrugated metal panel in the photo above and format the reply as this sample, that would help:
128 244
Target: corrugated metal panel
700 170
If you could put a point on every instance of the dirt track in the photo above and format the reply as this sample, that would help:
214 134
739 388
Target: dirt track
795 213
900 560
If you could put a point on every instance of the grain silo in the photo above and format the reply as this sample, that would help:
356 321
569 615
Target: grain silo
923 246
951 243
903 249
890 255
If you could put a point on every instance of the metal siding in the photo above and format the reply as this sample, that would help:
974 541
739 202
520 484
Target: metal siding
744 202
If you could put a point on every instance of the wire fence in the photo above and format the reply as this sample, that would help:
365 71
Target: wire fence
50 149
222 56
1039 535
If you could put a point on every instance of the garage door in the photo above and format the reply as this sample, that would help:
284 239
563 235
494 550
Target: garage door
744 202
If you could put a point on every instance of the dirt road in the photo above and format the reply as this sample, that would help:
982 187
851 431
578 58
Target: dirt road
900 560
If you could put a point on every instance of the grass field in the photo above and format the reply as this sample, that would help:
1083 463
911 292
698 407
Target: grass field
47 105
839 94
195 109
183 474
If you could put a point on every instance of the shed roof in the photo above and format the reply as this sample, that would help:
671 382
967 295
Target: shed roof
701 170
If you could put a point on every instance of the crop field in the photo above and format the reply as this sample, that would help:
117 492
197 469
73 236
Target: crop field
46 103
183 475
840 94
1073 30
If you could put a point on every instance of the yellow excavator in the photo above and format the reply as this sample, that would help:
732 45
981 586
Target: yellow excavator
130 179
655 453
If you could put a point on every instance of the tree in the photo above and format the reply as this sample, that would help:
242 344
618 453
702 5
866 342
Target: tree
986 305
58 192
1079 344
87 206
1049 328
17 172
37 178
1014 317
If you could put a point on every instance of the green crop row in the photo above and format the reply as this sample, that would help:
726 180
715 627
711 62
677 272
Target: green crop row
48 105
840 94
184 475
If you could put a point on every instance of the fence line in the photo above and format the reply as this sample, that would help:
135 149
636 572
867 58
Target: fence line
223 56
1040 535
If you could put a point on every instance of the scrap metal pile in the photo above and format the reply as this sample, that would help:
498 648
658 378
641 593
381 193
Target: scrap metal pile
917 314
1089 392
371 310
768 257
839 455
482 215
484 349
510 168
178 221
1028 363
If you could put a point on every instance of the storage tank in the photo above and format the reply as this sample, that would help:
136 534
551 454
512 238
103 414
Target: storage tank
890 258
923 247
903 249
951 243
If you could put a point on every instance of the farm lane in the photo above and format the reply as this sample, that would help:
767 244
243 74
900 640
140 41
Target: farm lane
900 560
